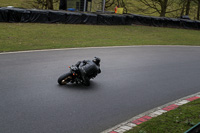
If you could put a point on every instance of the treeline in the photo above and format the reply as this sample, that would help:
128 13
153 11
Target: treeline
162 8
41 4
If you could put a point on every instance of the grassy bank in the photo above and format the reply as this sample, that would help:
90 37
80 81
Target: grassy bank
17 37
175 121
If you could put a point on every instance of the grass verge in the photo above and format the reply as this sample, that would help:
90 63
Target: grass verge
175 121
32 36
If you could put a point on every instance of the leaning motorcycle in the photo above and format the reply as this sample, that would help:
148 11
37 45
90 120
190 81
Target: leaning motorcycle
73 76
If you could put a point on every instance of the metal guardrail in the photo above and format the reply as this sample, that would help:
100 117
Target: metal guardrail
194 129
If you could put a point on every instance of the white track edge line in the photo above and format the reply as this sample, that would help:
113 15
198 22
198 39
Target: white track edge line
80 48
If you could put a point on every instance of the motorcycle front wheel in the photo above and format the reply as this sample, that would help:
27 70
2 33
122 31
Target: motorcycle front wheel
64 79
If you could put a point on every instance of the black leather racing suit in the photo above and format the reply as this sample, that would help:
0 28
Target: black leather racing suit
88 70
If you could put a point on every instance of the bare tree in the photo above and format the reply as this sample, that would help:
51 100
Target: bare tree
190 7
41 4
63 5
182 3
188 2
159 6
198 8
49 4
198 11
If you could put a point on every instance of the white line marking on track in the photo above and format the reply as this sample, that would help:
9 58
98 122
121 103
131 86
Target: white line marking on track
82 48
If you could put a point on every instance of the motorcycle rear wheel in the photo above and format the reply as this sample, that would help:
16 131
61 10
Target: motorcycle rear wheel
64 79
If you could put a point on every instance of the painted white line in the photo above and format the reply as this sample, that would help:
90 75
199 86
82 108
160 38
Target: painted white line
125 127
80 48
119 130
182 102
63 49
131 125
157 113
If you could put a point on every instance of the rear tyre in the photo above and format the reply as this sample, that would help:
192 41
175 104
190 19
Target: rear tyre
64 79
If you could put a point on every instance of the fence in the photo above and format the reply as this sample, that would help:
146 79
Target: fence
81 5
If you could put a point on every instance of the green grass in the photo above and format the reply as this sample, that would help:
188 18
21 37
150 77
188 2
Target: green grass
175 121
15 3
17 37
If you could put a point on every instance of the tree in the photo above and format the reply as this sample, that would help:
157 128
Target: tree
159 6
190 7
41 4
63 5
198 11
187 12
49 4
198 8
182 3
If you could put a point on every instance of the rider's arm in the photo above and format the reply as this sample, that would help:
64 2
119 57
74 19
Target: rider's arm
78 63
83 63
99 70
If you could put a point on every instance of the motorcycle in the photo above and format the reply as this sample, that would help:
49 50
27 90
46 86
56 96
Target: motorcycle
82 76
73 76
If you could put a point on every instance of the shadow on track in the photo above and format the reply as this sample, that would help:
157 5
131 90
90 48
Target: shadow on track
93 86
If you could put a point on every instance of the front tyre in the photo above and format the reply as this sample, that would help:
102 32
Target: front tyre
86 81
64 79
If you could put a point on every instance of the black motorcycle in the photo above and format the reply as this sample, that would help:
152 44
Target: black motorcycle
74 76
83 76
71 77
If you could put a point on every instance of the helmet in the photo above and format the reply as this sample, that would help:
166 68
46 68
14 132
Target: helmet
96 60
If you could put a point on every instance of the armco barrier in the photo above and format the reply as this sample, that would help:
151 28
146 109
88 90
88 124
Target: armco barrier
38 16
51 16
57 16
3 15
87 18
107 19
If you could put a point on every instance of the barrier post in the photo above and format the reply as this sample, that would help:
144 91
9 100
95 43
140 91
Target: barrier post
103 6
85 5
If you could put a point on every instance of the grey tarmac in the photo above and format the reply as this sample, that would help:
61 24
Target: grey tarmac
134 79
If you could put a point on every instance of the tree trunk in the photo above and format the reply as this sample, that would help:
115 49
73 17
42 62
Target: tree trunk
187 12
63 5
50 4
198 11
163 8
183 8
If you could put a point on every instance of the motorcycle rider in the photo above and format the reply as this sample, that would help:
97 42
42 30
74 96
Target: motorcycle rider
89 69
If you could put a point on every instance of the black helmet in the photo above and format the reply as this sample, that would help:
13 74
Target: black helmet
96 60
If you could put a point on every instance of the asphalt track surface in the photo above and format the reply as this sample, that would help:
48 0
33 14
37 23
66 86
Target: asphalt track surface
133 80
